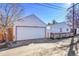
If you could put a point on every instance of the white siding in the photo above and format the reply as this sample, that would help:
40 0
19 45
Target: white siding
77 30
59 28
30 27
24 33
31 20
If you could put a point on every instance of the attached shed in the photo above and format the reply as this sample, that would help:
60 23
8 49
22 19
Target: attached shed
29 27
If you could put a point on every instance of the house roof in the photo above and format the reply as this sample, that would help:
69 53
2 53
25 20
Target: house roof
58 24
31 20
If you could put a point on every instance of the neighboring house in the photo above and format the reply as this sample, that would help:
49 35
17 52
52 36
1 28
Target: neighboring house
59 28
30 27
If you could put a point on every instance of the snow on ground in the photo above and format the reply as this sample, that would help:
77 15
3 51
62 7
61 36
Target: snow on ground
58 48
40 49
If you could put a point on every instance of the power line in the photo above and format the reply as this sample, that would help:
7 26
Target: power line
72 6
55 5
49 6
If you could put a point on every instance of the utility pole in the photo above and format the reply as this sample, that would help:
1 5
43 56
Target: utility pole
72 48
73 17
73 20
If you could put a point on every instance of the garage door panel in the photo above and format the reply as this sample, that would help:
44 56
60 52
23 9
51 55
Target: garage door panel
30 33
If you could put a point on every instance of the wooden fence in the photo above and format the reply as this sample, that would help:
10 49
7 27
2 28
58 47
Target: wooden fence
60 35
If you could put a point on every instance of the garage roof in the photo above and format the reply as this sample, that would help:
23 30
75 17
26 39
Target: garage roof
31 20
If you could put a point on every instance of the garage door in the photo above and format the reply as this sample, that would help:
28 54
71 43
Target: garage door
24 33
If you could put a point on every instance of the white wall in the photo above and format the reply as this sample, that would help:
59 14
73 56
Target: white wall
31 20
60 29
56 29
77 30
24 33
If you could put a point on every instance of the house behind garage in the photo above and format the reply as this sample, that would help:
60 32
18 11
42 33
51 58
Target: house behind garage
29 27
59 28
62 27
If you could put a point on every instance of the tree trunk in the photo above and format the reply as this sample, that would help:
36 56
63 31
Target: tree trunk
7 41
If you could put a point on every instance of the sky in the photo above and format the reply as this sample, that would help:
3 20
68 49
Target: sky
47 12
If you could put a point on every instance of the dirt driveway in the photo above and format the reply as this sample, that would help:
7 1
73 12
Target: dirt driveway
40 48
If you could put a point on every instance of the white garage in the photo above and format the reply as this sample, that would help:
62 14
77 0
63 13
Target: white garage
30 27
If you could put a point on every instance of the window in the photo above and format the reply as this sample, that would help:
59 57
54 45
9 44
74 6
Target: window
67 29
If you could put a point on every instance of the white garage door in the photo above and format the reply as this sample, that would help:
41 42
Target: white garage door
24 33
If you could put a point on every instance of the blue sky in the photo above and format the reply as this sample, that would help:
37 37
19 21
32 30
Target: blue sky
46 14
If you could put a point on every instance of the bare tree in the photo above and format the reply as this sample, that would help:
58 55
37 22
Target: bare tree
76 17
73 22
9 13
